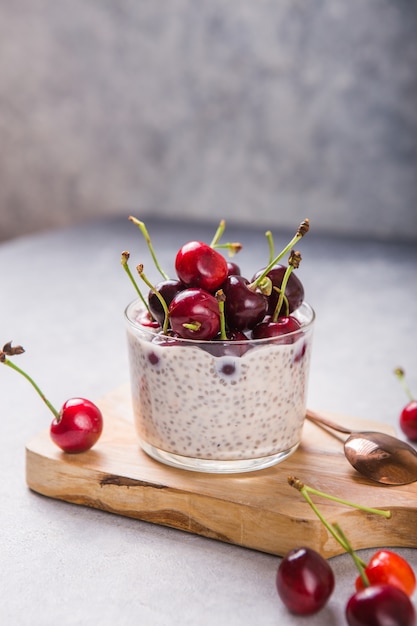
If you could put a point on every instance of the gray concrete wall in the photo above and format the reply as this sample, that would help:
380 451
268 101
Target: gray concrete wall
263 112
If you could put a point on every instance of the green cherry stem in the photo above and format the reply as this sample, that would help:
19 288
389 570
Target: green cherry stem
232 247
270 241
302 230
218 234
293 263
124 261
6 361
302 487
144 231
305 491
221 300
400 374
140 271
360 565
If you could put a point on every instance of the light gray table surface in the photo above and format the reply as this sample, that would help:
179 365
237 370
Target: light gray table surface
62 298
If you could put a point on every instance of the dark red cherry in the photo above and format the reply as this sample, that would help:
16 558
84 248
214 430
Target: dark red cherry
235 344
282 326
305 581
243 307
380 605
294 290
199 265
168 289
233 269
194 314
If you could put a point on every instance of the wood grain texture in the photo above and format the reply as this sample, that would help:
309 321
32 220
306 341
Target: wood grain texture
256 510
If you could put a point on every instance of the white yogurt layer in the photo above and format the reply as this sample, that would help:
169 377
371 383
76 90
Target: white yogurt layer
190 403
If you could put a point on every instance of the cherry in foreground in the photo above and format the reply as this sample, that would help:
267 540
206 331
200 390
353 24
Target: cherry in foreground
382 596
379 605
79 423
305 581
389 568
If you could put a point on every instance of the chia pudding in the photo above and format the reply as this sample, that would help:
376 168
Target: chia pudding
219 406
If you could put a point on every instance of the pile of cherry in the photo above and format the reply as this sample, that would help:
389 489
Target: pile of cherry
382 591
209 299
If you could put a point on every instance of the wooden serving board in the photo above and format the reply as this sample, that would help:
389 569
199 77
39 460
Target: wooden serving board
258 510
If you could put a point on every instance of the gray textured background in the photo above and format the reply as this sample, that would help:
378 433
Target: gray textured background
253 111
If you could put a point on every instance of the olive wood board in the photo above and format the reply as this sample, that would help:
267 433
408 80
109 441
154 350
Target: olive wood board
257 510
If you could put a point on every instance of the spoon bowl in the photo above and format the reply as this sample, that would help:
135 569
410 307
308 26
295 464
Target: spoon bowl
378 456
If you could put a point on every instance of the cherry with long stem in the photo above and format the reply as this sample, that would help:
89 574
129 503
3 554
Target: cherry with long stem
78 426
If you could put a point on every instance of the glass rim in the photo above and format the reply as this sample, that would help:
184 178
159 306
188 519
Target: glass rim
305 326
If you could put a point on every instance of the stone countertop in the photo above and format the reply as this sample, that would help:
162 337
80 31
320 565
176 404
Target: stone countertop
62 297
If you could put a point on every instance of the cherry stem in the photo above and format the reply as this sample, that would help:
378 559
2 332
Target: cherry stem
233 247
144 231
140 271
399 372
285 302
124 262
192 325
305 490
358 561
34 385
218 234
302 230
221 300
293 263
270 240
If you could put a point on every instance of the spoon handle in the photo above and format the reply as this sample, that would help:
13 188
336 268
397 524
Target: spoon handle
318 419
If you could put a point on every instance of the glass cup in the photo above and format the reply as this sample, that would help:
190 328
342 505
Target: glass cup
219 406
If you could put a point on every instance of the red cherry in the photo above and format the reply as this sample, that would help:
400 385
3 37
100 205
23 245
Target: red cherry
78 426
408 416
408 420
305 581
233 269
281 327
194 314
380 605
244 308
199 265
235 344
167 289
389 568
294 289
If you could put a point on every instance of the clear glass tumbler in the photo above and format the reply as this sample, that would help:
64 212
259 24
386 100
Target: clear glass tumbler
219 406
